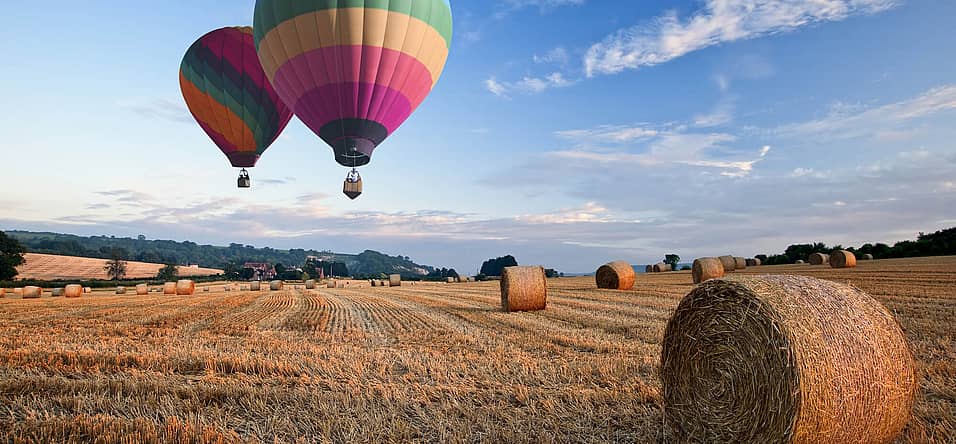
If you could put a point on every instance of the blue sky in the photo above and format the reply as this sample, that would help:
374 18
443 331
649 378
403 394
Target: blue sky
565 132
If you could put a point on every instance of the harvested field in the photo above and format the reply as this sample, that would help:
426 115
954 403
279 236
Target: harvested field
429 362
49 267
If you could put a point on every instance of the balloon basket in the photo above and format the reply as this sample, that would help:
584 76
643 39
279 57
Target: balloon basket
244 180
352 187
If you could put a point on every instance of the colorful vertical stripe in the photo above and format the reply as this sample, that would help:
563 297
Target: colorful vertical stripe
228 93
353 70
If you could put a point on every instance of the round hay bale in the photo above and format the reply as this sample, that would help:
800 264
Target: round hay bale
786 359
310 284
120 290
373 282
867 257
383 283
205 290
3 292
331 283
185 287
276 285
707 268
801 262
524 289
32 292
740 263
18 291
255 286
57 292
87 290
169 288
757 262
842 259
341 284
73 291
142 290
649 269
818 259
729 263
450 280
394 280
662 268
617 275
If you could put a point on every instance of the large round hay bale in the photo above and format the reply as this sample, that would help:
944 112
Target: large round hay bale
842 259
255 286
707 268
185 287
310 284
120 290
662 268
57 292
649 269
786 359
331 283
32 292
275 285
818 259
729 263
169 288
740 263
617 275
73 291
142 290
757 262
867 257
524 289
394 280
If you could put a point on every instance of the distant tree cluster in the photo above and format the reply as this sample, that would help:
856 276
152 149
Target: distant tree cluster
11 257
442 273
940 243
494 267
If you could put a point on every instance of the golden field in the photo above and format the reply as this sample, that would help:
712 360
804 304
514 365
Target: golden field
425 362
50 267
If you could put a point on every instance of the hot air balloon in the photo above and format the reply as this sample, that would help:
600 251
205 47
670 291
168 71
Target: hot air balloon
227 92
353 70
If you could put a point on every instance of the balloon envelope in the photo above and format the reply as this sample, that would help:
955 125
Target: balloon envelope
228 93
353 70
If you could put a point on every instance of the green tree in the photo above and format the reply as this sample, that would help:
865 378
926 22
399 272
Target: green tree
232 271
672 259
169 272
494 267
11 256
116 265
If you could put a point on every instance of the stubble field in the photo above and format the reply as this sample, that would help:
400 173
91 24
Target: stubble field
426 362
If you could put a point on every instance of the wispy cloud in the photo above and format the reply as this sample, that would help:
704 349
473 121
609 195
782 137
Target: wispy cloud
558 56
171 110
719 21
528 85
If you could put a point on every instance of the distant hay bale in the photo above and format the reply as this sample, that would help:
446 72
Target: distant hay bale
310 284
524 289
663 268
169 288
73 291
31 292
331 283
729 263
275 285
185 287
120 290
740 263
18 291
142 290
617 275
472 279
383 284
800 262
842 259
3 292
757 262
341 284
255 286
649 269
57 292
867 257
819 259
450 280
87 290
205 289
463 279
373 282
707 268
786 359
394 280
753 262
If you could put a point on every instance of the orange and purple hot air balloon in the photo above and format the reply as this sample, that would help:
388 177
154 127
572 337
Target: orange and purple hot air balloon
353 70
228 93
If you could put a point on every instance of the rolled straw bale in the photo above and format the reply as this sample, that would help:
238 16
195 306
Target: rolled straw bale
819 259
383 283
867 257
842 259
331 283
786 359
3 292
649 269
707 268
87 290
73 291
120 290
142 289
757 262
740 263
729 263
394 280
57 292
450 280
801 262
373 282
185 287
32 292
169 288
341 284
662 268
524 289
472 279
255 286
310 284
275 285
617 275
205 290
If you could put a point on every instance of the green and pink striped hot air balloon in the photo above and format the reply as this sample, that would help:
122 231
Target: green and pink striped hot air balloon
353 70
227 92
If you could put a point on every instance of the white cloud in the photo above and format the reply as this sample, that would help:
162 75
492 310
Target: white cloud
609 133
765 150
721 115
496 88
528 84
557 56
719 21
